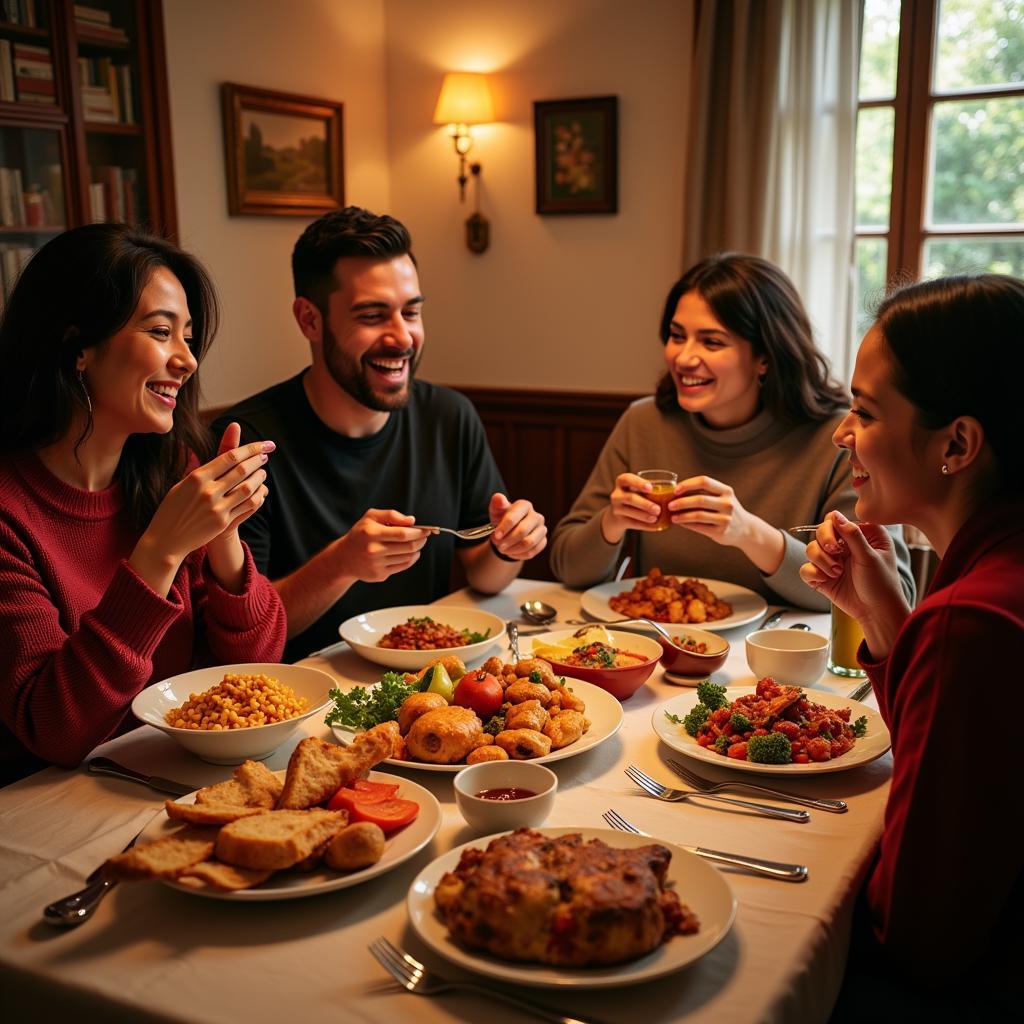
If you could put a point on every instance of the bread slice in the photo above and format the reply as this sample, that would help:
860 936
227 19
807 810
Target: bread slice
276 839
253 785
212 874
163 858
208 814
317 770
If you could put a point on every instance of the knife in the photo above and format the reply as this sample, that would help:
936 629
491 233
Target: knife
772 868
104 766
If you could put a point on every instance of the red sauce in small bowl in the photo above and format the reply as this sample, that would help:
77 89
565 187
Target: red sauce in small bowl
508 793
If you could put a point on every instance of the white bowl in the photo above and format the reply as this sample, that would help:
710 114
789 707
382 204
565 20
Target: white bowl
792 657
502 815
231 746
364 632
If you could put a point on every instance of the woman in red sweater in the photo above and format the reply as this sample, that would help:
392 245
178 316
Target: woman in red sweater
934 441
120 562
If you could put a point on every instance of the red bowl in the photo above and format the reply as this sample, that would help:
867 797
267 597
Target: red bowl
621 683
690 663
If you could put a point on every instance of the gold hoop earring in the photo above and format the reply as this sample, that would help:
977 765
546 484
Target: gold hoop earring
945 470
85 392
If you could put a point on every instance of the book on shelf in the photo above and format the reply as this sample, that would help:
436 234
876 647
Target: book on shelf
26 73
113 194
12 197
106 90
92 15
96 24
7 93
13 258
19 12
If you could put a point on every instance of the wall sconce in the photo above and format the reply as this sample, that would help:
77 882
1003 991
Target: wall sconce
465 100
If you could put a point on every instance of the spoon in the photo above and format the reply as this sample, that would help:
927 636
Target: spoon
803 626
538 611
513 639
620 622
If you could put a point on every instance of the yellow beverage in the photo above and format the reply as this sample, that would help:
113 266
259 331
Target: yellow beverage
661 496
663 489
846 638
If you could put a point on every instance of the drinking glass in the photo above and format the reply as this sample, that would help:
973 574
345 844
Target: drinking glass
846 638
663 490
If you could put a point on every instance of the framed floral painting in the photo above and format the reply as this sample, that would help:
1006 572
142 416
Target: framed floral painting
577 144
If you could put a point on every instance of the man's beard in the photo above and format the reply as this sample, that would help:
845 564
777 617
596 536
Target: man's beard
351 376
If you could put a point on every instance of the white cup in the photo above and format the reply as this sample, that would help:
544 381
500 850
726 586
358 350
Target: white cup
792 657
503 815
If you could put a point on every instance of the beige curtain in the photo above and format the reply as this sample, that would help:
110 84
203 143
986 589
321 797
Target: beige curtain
772 129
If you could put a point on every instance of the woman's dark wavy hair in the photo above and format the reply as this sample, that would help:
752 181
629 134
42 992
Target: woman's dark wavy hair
957 349
756 301
77 291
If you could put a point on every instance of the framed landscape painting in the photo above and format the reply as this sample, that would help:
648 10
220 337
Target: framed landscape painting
577 143
283 152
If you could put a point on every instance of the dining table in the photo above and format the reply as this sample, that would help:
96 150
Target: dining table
153 953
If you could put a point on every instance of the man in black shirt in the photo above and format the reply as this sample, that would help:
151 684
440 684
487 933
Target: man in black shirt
365 451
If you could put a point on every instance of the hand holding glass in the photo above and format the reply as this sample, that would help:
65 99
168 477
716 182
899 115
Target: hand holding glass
663 488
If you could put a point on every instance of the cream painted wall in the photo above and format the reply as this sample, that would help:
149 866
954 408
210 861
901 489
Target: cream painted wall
335 50
566 302
563 302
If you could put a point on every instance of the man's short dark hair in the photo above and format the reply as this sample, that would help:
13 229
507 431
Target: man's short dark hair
349 232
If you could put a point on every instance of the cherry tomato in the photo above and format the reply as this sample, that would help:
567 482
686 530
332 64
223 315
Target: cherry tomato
738 751
388 814
480 692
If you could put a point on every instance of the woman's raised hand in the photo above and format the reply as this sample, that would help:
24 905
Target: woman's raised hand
854 566
628 508
205 508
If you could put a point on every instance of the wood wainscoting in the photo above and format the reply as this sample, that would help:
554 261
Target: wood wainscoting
545 444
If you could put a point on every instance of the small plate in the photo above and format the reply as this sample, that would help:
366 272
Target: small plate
700 887
603 710
746 605
289 885
874 744
364 632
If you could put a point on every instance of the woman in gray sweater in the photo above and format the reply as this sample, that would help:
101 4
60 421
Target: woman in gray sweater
744 415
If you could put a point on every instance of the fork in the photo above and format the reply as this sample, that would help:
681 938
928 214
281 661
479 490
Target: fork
656 789
469 533
707 786
771 868
412 975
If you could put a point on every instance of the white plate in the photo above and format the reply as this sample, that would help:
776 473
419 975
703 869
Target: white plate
363 632
873 744
231 746
699 886
746 605
288 885
603 710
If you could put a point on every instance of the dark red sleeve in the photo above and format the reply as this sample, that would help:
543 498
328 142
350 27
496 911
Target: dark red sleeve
248 626
61 694
947 862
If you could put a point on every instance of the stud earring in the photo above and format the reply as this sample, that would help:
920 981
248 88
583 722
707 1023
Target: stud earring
945 470
85 391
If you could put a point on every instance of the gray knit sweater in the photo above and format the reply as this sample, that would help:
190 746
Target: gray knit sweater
785 475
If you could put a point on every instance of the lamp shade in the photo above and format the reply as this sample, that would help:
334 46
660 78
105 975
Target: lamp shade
465 99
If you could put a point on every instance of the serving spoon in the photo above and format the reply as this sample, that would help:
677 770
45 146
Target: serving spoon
539 612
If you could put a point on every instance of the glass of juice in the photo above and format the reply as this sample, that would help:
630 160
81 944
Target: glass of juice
846 638
663 488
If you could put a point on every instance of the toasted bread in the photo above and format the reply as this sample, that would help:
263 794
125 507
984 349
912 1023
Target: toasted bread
317 770
276 839
164 858
253 785
208 814
215 875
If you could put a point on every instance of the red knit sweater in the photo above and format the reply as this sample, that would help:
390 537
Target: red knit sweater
948 876
81 634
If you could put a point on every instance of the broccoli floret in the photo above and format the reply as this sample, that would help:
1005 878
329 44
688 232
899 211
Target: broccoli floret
740 723
696 718
536 677
774 748
722 744
495 724
711 695
860 727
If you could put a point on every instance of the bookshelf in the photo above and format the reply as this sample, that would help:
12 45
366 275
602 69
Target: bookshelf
84 122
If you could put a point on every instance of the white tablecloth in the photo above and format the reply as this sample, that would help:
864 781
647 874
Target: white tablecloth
152 953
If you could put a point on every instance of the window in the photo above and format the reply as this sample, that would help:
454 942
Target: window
940 143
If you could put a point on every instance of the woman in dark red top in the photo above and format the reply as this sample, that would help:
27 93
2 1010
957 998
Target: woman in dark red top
934 441
120 562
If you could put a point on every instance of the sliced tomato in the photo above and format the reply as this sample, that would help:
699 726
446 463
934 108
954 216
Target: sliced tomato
345 799
389 789
389 814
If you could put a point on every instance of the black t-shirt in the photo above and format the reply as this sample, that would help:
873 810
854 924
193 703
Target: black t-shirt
430 460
